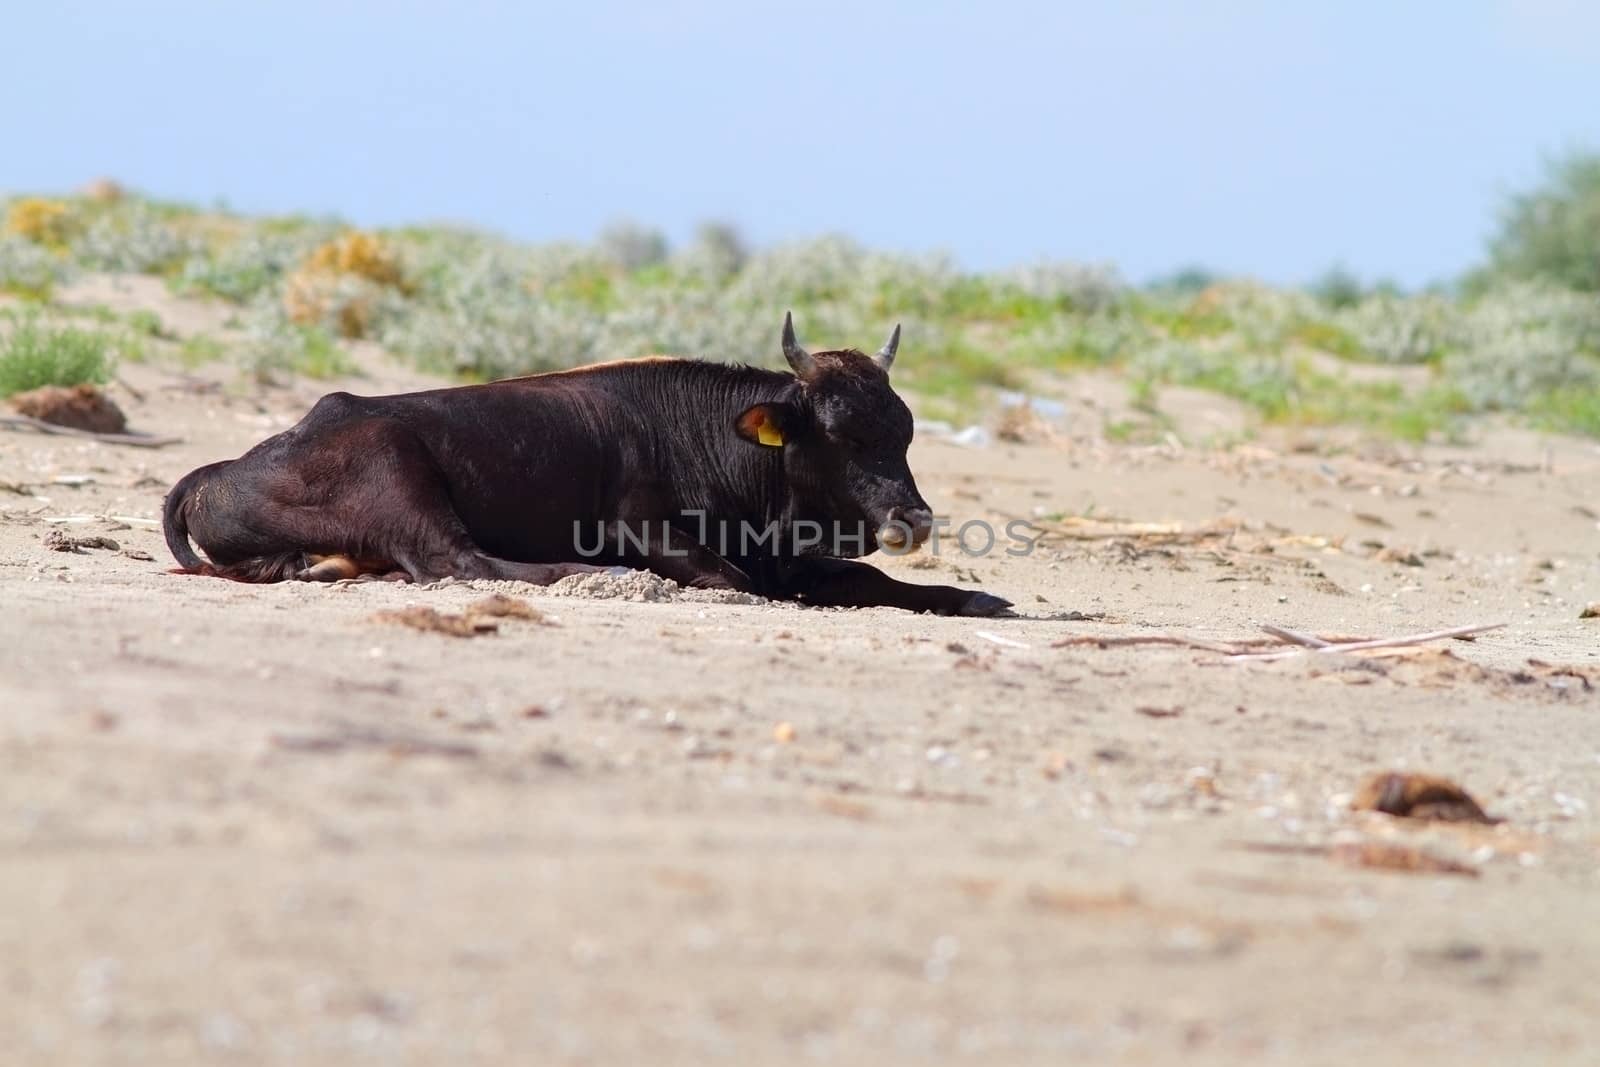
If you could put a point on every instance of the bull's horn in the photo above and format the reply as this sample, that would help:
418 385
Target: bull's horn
885 356
799 359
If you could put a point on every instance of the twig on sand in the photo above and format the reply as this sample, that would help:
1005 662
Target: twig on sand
1251 648
1182 640
996 639
1328 648
78 520
1374 855
1220 534
396 744
1083 528
137 440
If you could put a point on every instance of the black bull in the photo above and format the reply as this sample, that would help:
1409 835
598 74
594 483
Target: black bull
712 475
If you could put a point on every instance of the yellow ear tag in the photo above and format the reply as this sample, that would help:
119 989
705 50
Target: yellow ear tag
768 434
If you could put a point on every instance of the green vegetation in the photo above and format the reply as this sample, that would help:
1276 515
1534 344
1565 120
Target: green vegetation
35 354
199 350
28 270
146 324
1522 338
278 348
1569 410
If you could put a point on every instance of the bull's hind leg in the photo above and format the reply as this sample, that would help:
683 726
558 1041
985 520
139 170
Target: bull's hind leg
357 497
393 512
338 498
455 562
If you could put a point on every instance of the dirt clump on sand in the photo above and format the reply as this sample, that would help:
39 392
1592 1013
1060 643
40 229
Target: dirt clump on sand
1418 796
58 540
477 619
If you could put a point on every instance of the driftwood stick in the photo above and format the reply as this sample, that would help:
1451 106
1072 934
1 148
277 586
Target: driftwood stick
1381 642
1294 637
1247 649
1156 639
137 440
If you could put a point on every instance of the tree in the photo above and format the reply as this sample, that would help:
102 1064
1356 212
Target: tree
1553 232
631 246
1338 287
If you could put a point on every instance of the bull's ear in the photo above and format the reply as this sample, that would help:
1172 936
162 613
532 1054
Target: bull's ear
769 425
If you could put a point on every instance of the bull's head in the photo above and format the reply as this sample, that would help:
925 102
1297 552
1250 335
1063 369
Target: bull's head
844 434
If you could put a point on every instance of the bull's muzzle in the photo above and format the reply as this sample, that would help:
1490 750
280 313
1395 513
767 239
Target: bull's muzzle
905 528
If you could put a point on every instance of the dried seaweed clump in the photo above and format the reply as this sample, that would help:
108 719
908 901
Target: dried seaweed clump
361 254
45 222
344 284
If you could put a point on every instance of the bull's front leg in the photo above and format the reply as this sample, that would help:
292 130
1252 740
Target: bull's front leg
844 583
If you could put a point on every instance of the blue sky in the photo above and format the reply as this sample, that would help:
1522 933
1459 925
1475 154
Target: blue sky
1273 139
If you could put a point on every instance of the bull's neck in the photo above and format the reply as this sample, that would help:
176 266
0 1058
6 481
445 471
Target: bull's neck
692 408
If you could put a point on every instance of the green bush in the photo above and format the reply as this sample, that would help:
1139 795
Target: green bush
29 270
632 247
1521 341
255 264
1400 329
1569 410
277 347
146 323
135 237
1265 382
34 354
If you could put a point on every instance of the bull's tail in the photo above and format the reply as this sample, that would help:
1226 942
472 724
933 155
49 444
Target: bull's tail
272 567
175 522
278 567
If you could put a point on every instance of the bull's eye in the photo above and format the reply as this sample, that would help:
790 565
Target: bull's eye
850 438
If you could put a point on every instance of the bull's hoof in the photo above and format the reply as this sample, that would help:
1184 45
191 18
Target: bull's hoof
985 605
328 569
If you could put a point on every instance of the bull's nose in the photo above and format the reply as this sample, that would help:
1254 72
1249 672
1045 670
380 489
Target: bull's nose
915 522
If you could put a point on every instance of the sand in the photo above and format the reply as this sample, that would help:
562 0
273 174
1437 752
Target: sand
259 825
